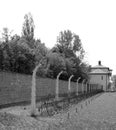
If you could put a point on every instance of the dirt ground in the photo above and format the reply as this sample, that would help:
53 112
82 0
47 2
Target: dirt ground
96 113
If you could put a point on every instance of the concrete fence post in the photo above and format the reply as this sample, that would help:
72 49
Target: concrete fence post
69 86
57 86
86 87
83 85
78 86
33 91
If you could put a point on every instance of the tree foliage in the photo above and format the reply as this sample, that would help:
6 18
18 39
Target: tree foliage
22 53
55 63
69 49
6 34
28 29
70 44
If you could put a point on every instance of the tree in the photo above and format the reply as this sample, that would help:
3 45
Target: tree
70 44
6 34
28 29
113 78
16 56
4 49
1 57
55 63
39 50
22 53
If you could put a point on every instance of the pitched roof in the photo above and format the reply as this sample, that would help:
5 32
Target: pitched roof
100 66
98 71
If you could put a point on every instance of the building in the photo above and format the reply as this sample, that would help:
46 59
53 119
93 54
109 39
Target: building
100 75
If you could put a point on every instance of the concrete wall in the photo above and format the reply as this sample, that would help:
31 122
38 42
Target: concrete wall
100 79
17 87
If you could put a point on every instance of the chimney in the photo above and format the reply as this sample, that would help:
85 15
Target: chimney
99 62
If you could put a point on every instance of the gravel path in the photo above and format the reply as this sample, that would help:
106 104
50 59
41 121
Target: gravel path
96 113
102 108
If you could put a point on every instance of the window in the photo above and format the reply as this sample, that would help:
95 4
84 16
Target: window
101 77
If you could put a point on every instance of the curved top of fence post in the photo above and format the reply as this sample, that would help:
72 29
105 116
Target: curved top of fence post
78 79
83 81
71 77
59 74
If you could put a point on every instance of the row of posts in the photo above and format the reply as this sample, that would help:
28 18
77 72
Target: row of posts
83 89
33 91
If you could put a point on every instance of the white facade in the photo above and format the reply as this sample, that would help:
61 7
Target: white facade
100 75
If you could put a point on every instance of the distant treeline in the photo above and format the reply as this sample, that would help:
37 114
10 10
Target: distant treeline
22 53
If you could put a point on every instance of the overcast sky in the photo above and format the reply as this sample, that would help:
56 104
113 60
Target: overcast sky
93 20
